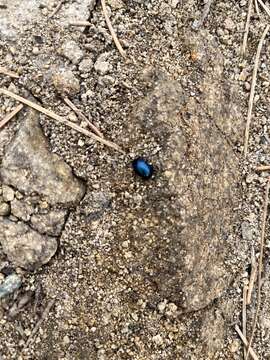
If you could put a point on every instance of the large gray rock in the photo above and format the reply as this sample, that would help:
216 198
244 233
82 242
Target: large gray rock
29 166
183 224
49 188
24 246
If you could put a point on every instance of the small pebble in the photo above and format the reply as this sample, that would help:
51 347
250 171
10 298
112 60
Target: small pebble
8 193
10 284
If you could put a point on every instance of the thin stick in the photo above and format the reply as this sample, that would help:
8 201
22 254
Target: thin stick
266 200
7 72
245 342
244 316
252 90
265 8
83 117
257 7
11 115
61 119
253 276
40 321
110 27
263 168
80 23
58 7
245 39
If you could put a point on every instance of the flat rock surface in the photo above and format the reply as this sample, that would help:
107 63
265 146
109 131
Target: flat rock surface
183 227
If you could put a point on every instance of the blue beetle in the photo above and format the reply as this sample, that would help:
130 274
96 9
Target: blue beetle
142 168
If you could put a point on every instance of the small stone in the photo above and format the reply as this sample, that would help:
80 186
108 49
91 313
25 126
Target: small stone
247 231
21 209
19 195
66 83
229 24
235 346
174 3
66 340
86 65
161 306
10 284
72 51
243 75
35 51
8 193
81 143
101 65
158 340
4 209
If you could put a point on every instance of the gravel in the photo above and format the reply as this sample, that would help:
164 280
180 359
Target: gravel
107 307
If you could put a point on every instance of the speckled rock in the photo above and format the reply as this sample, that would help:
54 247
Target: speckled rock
180 230
66 82
24 246
21 209
72 51
51 223
4 209
29 166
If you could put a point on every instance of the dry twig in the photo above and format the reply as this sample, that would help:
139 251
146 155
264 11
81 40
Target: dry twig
58 7
265 208
245 39
83 117
244 315
111 29
56 117
10 115
265 8
253 276
252 90
263 168
245 342
7 72
40 321
257 7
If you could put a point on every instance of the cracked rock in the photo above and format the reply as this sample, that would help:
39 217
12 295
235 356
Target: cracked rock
21 209
29 166
24 246
46 182
51 223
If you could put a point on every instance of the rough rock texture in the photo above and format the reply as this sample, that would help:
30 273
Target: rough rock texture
46 182
21 12
30 167
51 223
181 235
24 246
65 82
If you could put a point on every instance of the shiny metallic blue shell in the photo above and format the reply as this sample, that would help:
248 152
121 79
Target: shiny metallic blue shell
142 168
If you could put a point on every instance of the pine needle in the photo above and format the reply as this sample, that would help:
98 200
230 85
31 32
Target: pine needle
258 305
252 90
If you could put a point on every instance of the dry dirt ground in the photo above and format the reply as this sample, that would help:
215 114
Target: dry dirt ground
103 308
